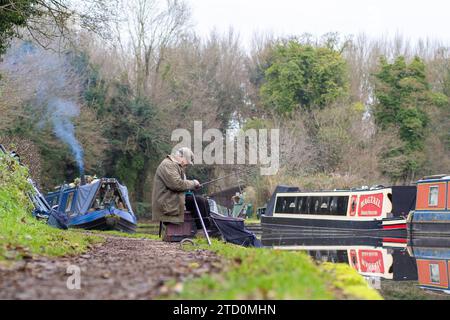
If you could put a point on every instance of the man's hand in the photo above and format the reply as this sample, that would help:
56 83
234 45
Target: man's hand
197 184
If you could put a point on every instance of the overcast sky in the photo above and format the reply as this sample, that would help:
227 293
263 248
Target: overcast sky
412 18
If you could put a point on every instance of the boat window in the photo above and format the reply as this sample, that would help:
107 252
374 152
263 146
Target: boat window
333 205
336 206
286 205
354 260
119 202
301 204
315 208
434 273
315 205
308 205
433 196
108 195
53 201
69 202
342 204
324 207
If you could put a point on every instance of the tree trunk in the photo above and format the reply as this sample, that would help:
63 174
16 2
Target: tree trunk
140 182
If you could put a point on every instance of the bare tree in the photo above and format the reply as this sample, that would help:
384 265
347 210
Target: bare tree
46 21
145 29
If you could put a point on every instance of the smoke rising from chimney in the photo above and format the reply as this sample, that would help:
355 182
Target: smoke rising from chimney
48 82
63 112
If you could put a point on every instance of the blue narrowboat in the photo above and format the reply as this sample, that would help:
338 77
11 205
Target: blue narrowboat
102 204
431 216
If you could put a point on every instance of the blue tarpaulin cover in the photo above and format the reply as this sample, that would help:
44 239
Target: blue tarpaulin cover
86 194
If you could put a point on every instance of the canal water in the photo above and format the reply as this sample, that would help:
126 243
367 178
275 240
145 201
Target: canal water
399 268
414 268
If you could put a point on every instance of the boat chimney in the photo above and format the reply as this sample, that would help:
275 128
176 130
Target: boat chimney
82 179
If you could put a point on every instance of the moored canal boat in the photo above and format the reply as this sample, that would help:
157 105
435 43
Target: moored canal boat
373 258
431 216
380 211
433 263
102 204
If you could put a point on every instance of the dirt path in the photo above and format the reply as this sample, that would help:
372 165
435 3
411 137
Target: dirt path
120 268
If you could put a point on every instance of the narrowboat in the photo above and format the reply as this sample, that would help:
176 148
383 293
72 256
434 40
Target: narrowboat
379 211
324 240
102 204
376 262
371 257
431 216
433 263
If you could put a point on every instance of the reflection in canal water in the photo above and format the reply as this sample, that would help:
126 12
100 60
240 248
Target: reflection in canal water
399 268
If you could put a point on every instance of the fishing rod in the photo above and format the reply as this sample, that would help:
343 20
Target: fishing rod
247 171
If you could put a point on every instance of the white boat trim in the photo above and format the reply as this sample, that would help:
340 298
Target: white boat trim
333 193
393 222
322 217
325 248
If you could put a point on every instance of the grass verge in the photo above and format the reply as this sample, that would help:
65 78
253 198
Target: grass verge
274 274
252 221
21 235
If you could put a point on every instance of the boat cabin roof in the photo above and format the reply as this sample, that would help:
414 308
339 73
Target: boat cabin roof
86 194
67 189
435 178
342 191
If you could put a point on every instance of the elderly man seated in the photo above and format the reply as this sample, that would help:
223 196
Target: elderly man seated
169 186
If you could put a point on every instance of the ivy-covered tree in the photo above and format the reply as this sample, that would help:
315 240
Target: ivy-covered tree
446 112
137 138
301 76
403 94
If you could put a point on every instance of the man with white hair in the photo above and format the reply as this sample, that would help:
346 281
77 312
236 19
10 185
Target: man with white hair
169 186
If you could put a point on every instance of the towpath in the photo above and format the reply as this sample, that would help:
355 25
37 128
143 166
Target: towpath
119 268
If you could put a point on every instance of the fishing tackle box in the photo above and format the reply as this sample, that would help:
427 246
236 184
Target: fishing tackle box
172 232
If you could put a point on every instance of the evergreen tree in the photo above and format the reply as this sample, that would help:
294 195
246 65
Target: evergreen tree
300 76
136 136
403 94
